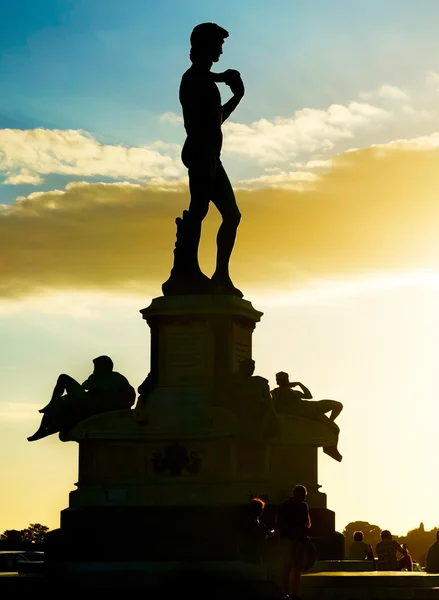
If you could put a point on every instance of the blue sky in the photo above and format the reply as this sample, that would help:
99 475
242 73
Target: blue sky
334 156
112 68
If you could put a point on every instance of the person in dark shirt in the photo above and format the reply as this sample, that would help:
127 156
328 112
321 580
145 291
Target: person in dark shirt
293 522
203 115
254 530
386 551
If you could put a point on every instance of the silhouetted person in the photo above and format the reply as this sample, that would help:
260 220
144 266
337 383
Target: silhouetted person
406 561
359 550
386 551
72 402
293 522
432 559
254 530
296 402
203 116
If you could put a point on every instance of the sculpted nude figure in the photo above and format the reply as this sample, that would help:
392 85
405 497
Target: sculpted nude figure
203 116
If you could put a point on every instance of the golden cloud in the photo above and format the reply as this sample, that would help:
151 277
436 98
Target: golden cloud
27 156
376 209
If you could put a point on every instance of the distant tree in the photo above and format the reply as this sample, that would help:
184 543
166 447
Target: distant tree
11 535
34 533
418 541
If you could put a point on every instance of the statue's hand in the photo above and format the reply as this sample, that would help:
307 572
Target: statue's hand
232 78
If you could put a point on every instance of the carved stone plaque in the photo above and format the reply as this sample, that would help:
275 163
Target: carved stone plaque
187 354
242 344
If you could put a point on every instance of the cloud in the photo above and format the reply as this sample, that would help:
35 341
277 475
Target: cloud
24 177
309 130
172 118
18 411
393 92
27 156
433 79
375 209
291 180
389 92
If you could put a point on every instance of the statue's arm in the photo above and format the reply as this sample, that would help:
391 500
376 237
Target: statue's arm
230 106
306 394
233 79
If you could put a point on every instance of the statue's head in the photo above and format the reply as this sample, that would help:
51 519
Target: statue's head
206 42
103 364
247 367
282 378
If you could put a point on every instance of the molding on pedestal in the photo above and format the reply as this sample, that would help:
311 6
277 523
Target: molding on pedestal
200 305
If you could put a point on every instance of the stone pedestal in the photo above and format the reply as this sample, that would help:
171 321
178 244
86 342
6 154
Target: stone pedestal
197 342
166 485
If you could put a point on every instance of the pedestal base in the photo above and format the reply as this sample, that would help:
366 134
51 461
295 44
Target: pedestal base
163 490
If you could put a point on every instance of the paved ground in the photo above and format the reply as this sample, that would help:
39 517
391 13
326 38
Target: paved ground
371 585
364 585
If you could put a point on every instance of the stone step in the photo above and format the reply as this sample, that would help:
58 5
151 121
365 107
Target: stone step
370 585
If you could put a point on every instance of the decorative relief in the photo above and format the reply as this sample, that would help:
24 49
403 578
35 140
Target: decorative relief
176 459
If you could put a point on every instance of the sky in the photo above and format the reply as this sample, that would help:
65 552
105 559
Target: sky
334 157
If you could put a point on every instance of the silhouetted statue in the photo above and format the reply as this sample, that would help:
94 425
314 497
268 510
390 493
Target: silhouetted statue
252 402
72 402
203 115
296 402
140 413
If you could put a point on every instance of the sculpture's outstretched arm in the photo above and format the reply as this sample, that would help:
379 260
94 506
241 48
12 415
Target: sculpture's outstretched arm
306 393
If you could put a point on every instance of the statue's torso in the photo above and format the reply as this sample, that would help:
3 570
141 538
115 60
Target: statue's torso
201 103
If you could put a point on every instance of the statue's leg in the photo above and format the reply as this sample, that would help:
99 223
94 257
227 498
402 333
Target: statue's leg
73 388
311 409
333 452
186 276
200 186
44 429
65 384
335 408
332 406
224 199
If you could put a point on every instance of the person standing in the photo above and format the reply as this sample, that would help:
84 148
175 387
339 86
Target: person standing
293 522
